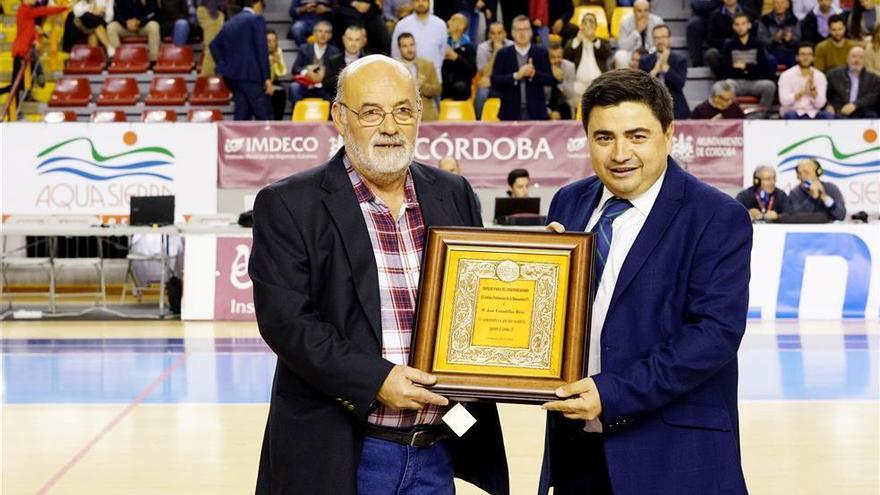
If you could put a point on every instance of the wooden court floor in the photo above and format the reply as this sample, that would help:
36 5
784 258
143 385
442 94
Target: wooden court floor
176 407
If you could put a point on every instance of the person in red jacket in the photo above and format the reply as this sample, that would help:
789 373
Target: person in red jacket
27 34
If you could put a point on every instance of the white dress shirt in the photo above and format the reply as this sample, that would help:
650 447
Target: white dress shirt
625 229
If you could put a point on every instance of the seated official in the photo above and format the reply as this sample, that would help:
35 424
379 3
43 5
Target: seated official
721 103
813 195
763 200
518 183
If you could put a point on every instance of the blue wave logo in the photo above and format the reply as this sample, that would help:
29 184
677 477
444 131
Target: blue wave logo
146 161
837 164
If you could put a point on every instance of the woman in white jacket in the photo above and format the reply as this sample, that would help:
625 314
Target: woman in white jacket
91 17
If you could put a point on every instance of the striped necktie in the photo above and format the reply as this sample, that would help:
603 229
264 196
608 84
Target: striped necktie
614 207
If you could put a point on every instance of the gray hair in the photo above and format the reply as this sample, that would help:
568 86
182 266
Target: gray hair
343 76
761 168
724 86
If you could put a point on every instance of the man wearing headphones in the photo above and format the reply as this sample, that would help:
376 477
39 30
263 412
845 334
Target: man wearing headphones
763 200
813 195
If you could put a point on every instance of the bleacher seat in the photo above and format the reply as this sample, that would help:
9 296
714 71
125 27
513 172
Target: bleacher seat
619 14
311 110
71 92
167 91
55 116
174 59
201 115
453 110
6 63
210 90
10 7
43 93
601 19
155 115
130 59
490 110
85 59
99 116
119 91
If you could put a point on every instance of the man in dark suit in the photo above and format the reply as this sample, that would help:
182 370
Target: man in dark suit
335 266
669 67
353 41
520 74
310 66
853 91
241 53
657 413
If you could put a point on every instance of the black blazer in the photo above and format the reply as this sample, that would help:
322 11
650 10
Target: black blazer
316 294
674 79
503 82
306 56
839 87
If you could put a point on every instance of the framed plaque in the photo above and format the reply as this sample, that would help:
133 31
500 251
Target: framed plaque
503 314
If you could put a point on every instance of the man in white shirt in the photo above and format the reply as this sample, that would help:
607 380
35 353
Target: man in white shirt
429 32
588 53
802 88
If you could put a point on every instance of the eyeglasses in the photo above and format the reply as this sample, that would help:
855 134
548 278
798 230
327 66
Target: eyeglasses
375 116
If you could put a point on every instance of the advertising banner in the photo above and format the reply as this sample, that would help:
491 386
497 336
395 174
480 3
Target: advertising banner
711 150
233 289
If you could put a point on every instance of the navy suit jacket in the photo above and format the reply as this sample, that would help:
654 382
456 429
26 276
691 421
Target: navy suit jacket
674 80
503 82
306 56
240 50
668 383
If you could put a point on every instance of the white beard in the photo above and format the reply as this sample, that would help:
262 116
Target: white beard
389 162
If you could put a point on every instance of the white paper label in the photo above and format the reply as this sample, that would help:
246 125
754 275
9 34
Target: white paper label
459 419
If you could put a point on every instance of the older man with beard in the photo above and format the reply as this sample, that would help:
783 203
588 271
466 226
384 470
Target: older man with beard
335 265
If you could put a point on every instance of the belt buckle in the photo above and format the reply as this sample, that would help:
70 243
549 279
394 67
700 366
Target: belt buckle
412 442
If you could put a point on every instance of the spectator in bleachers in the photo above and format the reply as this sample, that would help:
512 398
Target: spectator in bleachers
814 26
310 66
26 35
305 15
802 8
174 20
636 59
853 92
459 61
872 53
395 10
136 18
832 52
745 60
476 11
781 32
862 19
562 100
450 164
636 32
589 54
701 10
720 30
518 183
812 195
802 88
353 42
242 56
511 9
367 14
520 74
669 67
721 103
210 16
423 73
429 31
277 70
560 21
763 199
485 58
91 18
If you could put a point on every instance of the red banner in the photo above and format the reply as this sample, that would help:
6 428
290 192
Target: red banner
233 289
711 150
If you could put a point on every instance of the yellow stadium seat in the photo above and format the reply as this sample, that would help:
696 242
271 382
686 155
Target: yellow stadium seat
6 62
490 110
601 19
579 114
311 110
33 117
10 7
43 94
452 110
619 14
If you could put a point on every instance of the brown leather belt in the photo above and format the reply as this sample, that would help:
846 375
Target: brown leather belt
417 436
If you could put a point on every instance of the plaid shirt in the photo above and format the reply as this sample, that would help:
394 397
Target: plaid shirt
397 246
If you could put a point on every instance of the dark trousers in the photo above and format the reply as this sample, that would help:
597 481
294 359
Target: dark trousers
579 466
279 102
17 64
250 101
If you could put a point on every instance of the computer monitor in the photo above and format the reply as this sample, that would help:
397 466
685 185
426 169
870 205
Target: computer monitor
151 210
506 206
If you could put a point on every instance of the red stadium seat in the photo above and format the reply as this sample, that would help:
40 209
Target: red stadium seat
167 91
119 91
174 59
71 92
210 90
130 59
99 116
134 40
204 115
55 116
154 115
85 59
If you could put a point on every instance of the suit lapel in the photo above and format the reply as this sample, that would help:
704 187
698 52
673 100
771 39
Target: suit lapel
345 211
434 210
585 206
665 208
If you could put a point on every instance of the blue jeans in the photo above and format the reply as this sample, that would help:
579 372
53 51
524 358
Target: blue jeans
391 468
301 29
181 32
820 115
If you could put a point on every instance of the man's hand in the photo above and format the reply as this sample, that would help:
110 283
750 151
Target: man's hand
321 9
557 26
267 85
755 213
584 403
739 65
401 389
317 75
558 73
771 215
555 227
133 24
450 54
815 189
848 109
362 7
